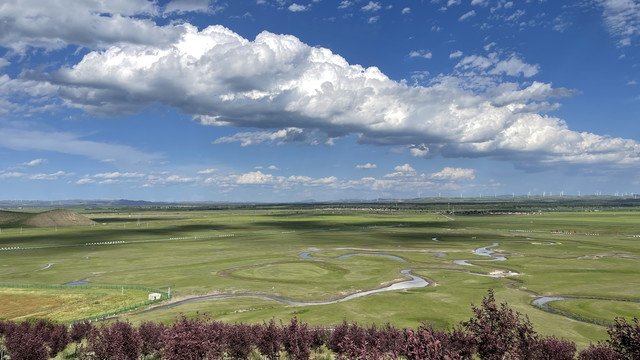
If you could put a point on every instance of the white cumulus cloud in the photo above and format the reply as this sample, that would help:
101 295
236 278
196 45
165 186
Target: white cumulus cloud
406 168
402 171
419 150
255 177
314 96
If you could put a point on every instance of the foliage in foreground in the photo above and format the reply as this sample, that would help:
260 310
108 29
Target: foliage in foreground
495 332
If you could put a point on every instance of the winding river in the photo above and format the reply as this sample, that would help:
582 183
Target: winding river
414 282
483 251
307 255
542 303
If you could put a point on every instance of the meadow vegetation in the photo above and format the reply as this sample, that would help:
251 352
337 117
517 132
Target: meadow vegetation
254 250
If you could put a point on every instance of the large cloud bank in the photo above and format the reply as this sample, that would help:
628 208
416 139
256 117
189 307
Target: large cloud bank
296 92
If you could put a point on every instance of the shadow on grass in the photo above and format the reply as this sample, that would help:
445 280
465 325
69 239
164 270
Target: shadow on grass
132 232
311 225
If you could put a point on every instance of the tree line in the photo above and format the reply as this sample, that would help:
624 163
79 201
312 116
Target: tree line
495 332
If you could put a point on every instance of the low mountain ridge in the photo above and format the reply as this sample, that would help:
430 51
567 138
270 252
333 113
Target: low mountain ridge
51 218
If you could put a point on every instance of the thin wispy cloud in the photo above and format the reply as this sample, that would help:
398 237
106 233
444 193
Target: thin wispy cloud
372 6
298 8
455 54
67 143
366 166
36 162
467 15
622 18
449 173
425 54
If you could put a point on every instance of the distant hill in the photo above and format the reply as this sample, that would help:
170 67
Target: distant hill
59 217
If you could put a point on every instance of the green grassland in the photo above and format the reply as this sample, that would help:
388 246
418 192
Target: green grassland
200 252
599 310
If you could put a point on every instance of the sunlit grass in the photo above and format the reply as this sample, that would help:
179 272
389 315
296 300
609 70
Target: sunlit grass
65 305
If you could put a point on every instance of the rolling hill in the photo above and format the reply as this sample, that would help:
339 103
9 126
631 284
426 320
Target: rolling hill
51 218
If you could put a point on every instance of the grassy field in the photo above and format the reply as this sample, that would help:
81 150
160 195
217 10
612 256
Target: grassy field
67 304
199 252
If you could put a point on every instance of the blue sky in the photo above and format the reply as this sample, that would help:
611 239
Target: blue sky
277 100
